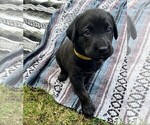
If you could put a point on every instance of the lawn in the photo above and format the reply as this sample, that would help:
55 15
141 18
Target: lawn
11 106
36 107
41 109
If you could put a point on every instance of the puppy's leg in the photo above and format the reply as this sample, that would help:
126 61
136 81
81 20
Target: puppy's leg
87 81
78 84
63 74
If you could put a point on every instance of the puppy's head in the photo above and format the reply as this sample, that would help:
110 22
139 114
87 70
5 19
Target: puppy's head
92 32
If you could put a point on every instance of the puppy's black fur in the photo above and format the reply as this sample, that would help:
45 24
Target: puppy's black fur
90 34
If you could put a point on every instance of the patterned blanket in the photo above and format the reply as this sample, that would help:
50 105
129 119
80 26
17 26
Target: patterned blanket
120 90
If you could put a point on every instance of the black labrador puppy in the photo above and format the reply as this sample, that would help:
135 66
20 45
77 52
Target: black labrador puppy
89 45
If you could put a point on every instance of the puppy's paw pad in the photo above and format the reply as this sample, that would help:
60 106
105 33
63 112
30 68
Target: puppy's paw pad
62 77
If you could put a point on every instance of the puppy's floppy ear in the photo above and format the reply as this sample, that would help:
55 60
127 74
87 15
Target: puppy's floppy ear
71 32
114 27
115 30
131 27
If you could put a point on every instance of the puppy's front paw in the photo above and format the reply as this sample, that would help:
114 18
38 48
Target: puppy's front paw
62 77
88 110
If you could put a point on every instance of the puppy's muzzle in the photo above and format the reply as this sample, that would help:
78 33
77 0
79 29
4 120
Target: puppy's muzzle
103 50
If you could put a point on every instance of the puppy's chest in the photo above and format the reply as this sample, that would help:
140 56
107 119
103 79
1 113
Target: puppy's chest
90 67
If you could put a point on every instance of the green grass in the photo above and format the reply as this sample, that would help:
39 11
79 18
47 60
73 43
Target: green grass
11 106
41 109
38 108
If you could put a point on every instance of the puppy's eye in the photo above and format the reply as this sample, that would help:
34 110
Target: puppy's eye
109 29
87 32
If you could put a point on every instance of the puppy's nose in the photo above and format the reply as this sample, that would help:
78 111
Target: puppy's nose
103 49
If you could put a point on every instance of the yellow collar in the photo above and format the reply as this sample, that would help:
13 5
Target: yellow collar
81 56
